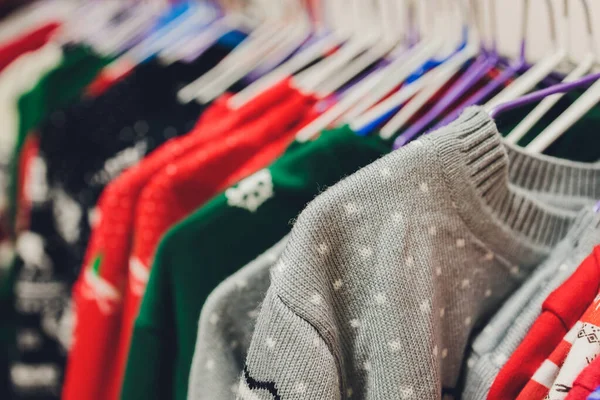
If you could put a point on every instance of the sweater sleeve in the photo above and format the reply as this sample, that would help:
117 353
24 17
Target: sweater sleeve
288 359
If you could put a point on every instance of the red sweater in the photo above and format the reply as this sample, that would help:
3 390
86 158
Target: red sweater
99 292
586 382
561 310
182 187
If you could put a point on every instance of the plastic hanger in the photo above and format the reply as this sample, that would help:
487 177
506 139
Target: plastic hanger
442 76
482 65
405 69
516 67
533 97
356 93
578 109
142 18
567 119
281 47
189 20
87 20
196 44
537 72
364 36
391 38
300 60
376 85
412 61
586 64
388 107
253 44
265 39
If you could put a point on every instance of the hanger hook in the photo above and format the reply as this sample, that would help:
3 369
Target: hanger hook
525 25
552 20
588 24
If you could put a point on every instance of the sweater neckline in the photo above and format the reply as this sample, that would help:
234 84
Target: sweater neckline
488 180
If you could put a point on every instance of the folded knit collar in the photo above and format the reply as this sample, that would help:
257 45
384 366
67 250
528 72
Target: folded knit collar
493 187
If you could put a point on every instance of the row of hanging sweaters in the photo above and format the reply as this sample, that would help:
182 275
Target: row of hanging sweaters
155 250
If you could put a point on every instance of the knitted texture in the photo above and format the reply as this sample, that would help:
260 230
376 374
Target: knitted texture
226 326
586 382
228 316
491 360
387 273
216 241
41 266
583 348
112 239
185 185
148 115
560 311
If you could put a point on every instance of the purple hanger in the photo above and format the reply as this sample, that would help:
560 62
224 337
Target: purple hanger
515 68
597 207
541 94
474 73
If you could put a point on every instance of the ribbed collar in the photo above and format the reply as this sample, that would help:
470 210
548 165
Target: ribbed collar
487 177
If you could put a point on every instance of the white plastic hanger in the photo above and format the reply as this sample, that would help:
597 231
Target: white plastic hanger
574 113
536 73
278 47
402 67
199 15
303 58
585 66
441 77
350 98
371 88
233 19
392 102
390 39
87 20
142 20
364 37
436 80
252 44
243 59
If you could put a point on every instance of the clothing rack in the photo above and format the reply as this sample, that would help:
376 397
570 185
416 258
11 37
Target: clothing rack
300 199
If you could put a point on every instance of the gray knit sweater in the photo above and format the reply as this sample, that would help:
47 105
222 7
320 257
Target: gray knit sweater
226 326
503 334
387 273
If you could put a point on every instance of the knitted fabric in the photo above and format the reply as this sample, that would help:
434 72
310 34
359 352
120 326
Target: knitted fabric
183 186
557 374
40 295
494 372
387 273
560 311
586 382
226 326
111 240
148 115
223 236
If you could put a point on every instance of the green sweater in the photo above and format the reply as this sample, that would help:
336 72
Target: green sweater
223 236
217 240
